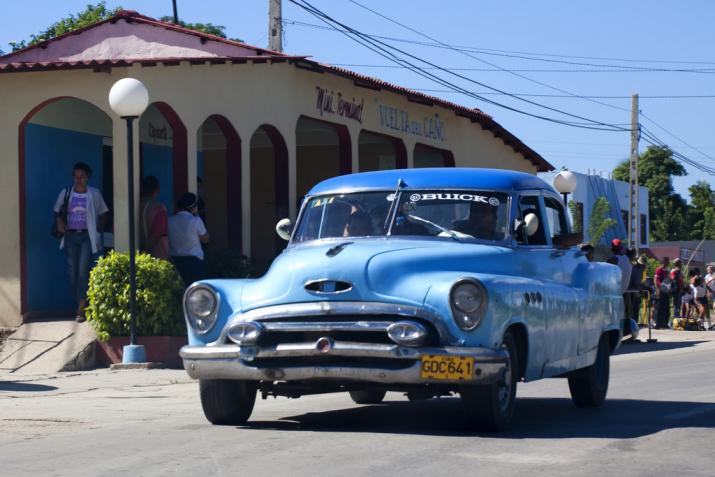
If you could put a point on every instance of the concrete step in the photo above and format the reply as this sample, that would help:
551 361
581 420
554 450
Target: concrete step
48 347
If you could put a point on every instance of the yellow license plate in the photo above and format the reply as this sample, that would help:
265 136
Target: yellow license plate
447 367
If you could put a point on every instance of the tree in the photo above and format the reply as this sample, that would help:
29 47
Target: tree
701 213
599 221
667 210
91 14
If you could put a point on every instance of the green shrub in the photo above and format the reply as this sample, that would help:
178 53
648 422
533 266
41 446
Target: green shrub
159 292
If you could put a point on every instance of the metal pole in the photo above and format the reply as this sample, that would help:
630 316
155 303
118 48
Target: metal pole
176 14
132 245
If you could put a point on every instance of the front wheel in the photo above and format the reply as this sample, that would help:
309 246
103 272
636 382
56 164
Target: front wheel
589 386
490 407
227 401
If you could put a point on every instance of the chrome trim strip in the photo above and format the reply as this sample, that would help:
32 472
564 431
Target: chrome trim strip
325 280
233 362
337 308
308 326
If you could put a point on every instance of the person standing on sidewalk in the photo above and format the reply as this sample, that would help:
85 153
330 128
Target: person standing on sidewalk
186 234
676 277
153 225
710 285
80 215
663 289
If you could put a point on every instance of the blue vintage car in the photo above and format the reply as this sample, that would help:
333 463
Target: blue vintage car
423 281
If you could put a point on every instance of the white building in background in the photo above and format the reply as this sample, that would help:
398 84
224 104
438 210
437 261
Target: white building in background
589 188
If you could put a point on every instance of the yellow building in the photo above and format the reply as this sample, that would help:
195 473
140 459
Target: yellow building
258 127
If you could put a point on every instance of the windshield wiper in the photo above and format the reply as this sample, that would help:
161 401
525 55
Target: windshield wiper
449 232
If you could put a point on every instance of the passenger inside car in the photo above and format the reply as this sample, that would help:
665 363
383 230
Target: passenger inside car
481 222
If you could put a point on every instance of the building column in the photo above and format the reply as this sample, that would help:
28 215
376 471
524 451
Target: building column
119 169
291 145
191 159
354 142
246 196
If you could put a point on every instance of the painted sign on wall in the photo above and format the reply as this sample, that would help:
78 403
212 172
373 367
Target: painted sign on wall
330 102
431 127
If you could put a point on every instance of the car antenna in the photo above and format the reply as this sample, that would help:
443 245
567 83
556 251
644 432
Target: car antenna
400 185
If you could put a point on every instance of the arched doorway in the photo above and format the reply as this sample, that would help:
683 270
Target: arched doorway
218 168
322 151
52 138
380 152
162 151
428 156
269 193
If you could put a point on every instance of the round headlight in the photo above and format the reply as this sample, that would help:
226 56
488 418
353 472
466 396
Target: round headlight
468 300
201 305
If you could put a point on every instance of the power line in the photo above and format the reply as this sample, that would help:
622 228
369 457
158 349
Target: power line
678 138
545 70
524 55
544 95
382 49
519 75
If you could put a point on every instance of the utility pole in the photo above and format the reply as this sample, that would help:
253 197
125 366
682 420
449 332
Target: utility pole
275 25
634 238
176 13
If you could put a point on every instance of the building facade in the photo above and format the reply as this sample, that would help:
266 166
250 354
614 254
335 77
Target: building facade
589 188
255 128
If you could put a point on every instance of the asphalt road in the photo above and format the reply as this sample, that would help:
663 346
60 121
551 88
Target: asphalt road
659 420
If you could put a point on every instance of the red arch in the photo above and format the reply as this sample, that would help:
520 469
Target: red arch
233 180
21 191
179 148
344 144
446 154
397 143
281 175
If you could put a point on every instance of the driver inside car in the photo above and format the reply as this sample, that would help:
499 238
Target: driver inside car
358 225
481 222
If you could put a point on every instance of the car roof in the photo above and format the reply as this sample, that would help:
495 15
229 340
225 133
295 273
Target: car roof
429 178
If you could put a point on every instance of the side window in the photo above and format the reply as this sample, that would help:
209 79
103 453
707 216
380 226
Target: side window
556 217
530 205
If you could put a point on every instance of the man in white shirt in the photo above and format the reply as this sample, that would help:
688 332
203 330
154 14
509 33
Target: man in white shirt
710 284
186 234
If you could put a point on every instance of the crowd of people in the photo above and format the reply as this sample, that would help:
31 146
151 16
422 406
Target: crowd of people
671 292
81 214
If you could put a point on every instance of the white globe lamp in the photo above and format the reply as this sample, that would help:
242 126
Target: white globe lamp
128 97
565 183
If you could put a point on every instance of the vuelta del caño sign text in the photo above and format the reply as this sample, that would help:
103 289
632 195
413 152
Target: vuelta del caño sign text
331 102
431 127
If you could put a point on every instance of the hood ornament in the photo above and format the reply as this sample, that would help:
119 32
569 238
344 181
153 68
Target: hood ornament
333 251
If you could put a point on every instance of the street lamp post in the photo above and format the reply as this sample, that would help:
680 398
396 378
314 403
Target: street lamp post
565 183
129 98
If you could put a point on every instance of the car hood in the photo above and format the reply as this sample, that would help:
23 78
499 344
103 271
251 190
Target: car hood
385 270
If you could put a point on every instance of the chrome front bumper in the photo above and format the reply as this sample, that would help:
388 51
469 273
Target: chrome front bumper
231 361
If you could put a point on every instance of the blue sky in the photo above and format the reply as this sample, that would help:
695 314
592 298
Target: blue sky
657 33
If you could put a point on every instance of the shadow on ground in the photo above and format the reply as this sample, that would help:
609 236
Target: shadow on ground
644 347
535 418
20 386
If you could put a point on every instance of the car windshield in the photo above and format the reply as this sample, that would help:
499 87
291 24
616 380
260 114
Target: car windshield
460 214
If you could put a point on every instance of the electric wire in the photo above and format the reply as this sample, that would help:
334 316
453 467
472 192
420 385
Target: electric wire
381 48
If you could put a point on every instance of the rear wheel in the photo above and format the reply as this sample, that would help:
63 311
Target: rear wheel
490 407
367 396
589 386
227 402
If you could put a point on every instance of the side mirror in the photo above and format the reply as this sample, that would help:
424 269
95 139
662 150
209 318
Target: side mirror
568 240
531 224
284 228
